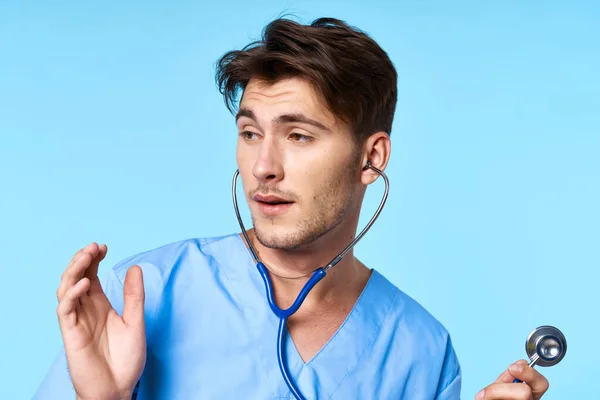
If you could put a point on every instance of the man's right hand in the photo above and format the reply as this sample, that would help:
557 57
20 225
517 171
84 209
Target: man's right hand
105 353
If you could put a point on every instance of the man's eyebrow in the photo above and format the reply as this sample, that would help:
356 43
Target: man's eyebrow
301 118
283 119
244 112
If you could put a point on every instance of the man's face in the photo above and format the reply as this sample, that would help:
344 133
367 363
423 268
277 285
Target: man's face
299 165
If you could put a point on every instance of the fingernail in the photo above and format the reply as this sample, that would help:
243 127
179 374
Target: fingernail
516 368
480 395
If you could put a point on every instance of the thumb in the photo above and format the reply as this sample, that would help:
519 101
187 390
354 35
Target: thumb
133 297
506 377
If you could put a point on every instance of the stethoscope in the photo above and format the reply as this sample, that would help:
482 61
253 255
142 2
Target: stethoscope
545 346
315 278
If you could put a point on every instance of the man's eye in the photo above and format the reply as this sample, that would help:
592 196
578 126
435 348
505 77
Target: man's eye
248 135
298 137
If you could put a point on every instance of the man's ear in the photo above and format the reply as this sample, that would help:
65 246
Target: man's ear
376 150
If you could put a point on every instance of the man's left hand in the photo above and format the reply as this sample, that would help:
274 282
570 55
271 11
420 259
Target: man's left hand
533 388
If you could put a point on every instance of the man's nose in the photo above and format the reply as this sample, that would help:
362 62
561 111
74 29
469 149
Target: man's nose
268 166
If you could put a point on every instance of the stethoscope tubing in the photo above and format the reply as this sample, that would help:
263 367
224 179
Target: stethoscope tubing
316 277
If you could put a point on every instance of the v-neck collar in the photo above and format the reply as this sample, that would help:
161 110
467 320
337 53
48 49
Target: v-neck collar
327 369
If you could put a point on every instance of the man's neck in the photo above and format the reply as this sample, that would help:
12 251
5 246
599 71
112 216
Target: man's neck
328 303
290 270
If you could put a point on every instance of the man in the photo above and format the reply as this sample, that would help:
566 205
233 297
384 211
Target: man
190 320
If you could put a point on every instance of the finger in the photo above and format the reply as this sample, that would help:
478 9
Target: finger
504 391
536 381
67 317
90 248
92 271
73 274
85 259
133 297
76 255
506 377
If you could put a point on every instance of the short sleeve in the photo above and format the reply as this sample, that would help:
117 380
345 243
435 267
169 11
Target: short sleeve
452 391
449 386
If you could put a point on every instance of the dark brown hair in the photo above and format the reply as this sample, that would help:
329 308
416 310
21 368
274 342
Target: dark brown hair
346 67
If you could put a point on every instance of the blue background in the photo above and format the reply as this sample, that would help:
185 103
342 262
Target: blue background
112 130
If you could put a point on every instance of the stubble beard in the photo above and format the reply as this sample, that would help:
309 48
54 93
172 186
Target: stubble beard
332 203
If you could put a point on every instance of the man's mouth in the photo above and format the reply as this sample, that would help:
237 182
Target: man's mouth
272 205
271 199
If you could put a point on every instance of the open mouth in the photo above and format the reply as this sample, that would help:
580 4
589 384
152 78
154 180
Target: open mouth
272 206
274 203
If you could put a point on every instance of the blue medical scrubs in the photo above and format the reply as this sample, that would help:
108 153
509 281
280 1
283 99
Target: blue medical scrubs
212 335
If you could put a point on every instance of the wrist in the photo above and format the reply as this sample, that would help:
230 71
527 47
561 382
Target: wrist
122 396
117 396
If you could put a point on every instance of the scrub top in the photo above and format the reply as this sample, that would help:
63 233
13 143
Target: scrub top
211 335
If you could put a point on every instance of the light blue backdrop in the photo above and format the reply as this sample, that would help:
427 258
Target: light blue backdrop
112 130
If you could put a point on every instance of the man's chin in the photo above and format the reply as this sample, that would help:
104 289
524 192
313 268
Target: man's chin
280 239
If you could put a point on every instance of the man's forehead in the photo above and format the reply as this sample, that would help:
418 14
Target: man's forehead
292 95
290 86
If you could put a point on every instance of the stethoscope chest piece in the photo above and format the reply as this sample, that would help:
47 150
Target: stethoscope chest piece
546 346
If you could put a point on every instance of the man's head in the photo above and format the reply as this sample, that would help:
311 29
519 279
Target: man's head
318 102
